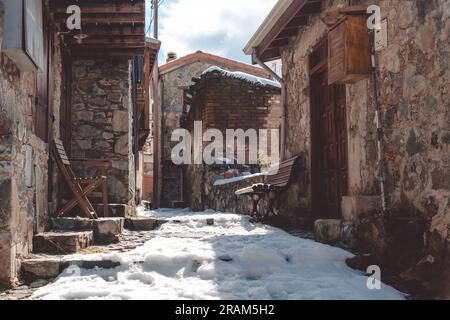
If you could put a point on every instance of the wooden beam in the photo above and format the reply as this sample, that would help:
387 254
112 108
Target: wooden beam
271 54
310 8
285 18
99 47
54 3
279 43
297 22
114 30
287 33
99 7
102 53
118 40
105 18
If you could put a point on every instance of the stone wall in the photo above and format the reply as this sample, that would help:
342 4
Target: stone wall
203 194
222 102
172 101
102 121
415 76
23 162
232 103
174 83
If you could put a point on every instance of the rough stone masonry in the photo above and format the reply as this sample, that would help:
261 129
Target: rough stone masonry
23 161
101 117
415 77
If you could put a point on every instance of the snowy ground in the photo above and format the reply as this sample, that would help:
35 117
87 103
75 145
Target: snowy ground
233 259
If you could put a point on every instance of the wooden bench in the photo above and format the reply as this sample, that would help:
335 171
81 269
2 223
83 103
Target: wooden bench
278 179
81 187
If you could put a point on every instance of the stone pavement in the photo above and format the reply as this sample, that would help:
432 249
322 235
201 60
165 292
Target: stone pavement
129 240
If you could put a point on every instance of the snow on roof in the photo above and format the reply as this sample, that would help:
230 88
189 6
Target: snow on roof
152 40
243 76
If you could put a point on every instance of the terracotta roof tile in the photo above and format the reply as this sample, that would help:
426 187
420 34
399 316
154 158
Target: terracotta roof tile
213 59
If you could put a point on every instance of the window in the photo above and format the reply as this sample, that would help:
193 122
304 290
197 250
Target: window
23 33
34 40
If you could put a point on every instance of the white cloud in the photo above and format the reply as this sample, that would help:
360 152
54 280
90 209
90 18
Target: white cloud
220 27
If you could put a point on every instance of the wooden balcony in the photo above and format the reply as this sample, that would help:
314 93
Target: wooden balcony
114 28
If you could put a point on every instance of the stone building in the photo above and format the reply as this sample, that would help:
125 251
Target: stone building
224 100
60 84
101 122
145 174
174 78
340 175
23 156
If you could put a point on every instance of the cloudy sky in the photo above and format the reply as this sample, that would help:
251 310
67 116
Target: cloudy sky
221 27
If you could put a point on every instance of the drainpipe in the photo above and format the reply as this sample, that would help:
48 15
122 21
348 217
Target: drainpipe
379 117
161 142
135 129
283 101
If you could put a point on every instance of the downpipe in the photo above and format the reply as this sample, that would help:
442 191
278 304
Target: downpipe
283 101
378 120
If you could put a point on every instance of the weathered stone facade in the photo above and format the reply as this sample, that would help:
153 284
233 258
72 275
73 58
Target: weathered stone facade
102 121
203 194
174 82
23 161
414 84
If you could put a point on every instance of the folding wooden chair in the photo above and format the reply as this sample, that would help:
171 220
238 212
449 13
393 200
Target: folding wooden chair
81 188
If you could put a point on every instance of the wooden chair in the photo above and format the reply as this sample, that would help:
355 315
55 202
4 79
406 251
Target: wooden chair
81 188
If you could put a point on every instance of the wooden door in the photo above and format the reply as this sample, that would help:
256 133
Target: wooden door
329 130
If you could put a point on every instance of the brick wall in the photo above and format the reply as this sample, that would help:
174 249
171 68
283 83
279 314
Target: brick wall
174 83
222 103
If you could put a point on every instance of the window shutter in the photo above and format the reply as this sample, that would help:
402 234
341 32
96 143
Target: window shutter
34 32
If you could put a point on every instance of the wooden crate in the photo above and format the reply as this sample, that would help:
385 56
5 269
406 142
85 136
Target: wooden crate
349 51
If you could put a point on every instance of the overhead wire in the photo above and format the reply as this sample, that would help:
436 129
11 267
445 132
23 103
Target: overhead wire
152 18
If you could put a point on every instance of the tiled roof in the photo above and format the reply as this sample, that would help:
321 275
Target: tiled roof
214 60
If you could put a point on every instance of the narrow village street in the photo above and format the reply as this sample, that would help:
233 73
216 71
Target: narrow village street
211 255
224 150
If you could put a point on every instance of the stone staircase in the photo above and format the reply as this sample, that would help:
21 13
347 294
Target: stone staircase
62 242
56 250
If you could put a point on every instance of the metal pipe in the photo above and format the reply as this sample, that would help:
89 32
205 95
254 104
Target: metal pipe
283 102
378 119
135 129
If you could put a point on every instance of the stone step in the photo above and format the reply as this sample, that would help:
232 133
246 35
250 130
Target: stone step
61 242
50 267
143 224
72 224
106 230
114 210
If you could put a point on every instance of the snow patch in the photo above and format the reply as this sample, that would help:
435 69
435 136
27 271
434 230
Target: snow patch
220 182
233 259
243 76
